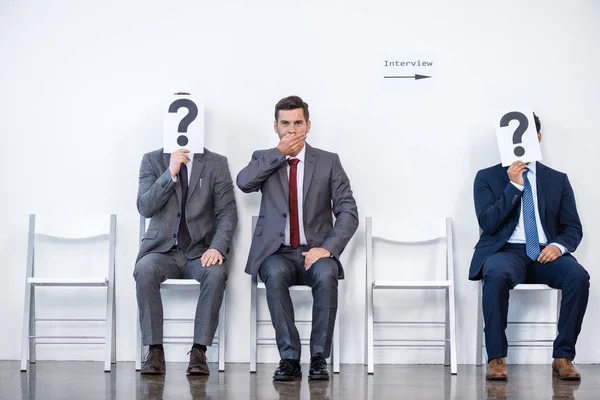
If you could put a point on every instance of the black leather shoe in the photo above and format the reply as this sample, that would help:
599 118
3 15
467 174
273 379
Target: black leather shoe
288 370
154 364
318 369
197 365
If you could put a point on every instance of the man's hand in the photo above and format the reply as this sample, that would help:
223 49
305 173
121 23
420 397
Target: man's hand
515 172
291 144
314 255
178 157
211 257
549 254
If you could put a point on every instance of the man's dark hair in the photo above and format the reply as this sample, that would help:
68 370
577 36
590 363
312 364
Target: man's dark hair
291 103
538 123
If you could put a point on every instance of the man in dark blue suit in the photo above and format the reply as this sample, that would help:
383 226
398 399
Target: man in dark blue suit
529 228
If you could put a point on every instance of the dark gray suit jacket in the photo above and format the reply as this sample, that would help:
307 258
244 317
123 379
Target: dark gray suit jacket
326 192
211 211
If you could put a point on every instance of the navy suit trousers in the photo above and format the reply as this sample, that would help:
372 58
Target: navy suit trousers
510 266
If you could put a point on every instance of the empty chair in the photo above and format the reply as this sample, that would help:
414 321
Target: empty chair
409 233
69 230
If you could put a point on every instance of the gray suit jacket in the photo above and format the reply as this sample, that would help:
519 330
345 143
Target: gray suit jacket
211 211
326 191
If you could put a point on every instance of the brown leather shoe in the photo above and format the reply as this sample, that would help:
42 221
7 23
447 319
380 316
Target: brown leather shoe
563 368
197 365
497 370
154 363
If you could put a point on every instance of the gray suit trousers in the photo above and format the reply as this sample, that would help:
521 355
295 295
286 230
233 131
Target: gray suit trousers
153 269
285 268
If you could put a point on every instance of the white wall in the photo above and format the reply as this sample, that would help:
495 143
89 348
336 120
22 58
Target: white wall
82 83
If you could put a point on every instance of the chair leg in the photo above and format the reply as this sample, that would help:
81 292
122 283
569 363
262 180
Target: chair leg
253 324
336 344
32 340
370 340
447 329
222 337
108 337
25 342
452 317
558 301
113 352
479 329
139 350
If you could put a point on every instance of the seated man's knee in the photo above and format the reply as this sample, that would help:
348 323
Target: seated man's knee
579 277
145 271
325 271
216 276
497 278
274 272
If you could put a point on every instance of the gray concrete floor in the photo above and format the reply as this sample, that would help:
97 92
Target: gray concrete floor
48 380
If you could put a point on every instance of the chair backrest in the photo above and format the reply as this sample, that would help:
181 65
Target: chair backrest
411 231
71 229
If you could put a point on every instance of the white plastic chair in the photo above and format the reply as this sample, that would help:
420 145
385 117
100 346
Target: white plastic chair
412 233
256 341
180 284
69 230
523 287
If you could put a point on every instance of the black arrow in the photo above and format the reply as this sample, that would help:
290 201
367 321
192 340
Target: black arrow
416 77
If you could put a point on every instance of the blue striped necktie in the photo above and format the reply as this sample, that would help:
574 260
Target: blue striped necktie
532 241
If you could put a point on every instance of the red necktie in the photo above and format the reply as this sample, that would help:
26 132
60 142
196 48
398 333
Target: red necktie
293 201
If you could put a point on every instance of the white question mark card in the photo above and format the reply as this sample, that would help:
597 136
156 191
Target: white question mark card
517 136
183 124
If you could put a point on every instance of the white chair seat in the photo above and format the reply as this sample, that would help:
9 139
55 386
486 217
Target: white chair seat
532 286
297 288
68 281
180 284
379 284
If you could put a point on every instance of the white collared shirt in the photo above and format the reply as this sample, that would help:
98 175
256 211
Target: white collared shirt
518 235
300 181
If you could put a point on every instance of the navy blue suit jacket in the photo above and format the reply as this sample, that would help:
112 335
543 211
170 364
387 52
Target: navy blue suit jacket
498 207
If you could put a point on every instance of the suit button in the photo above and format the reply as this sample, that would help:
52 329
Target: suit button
281 234
178 215
284 215
174 235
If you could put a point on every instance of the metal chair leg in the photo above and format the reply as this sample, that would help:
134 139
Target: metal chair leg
222 337
253 324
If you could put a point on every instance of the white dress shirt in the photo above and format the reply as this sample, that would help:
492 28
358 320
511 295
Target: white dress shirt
518 235
300 181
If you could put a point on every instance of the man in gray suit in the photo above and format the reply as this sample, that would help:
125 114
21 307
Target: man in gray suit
295 241
190 201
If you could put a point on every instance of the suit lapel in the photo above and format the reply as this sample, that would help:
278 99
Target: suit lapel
309 168
282 172
167 158
197 167
541 182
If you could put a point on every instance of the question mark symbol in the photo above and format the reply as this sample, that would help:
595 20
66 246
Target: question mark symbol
518 135
182 140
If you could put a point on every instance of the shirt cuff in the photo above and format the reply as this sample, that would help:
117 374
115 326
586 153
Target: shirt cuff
174 179
562 248
518 186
